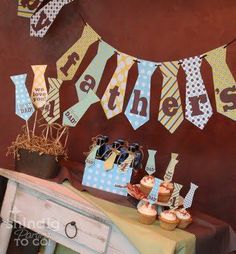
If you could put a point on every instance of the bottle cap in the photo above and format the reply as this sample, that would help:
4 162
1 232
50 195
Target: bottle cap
106 139
132 148
136 145
121 141
115 144
100 141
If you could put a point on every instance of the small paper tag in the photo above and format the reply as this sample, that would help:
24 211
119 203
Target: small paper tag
153 195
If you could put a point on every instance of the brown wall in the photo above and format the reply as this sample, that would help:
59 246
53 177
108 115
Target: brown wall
153 30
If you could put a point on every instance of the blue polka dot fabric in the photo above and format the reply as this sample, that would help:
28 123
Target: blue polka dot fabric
96 177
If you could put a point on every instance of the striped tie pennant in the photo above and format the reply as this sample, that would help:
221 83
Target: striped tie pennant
170 110
189 197
26 8
224 83
69 63
174 199
51 111
138 108
41 21
198 107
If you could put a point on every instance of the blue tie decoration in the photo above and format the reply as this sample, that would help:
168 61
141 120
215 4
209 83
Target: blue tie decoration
151 163
138 109
153 195
189 197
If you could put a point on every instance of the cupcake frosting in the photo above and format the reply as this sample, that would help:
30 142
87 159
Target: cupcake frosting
182 214
147 209
148 181
168 185
168 215
163 189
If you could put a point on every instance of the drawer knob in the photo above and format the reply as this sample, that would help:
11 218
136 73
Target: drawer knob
73 224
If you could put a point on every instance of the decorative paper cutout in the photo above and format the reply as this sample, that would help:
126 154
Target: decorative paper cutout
39 89
113 98
153 195
24 107
189 197
170 111
224 83
151 163
138 109
41 21
110 161
171 168
91 77
174 199
125 165
26 8
198 107
90 160
72 115
69 63
51 111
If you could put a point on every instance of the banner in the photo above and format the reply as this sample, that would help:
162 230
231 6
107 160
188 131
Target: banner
26 8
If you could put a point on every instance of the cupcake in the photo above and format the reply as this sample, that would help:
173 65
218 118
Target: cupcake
146 184
164 194
184 218
147 214
169 186
168 220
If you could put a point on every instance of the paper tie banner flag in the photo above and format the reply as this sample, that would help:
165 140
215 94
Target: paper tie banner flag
171 168
198 107
151 163
126 164
170 111
69 63
24 107
41 21
138 108
90 160
91 77
26 8
51 111
153 195
113 98
224 83
174 199
39 90
189 197
72 115
109 162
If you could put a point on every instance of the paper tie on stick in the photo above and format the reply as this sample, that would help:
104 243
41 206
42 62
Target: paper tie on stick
90 160
113 98
174 199
41 21
26 8
124 166
171 168
138 108
153 195
224 83
189 197
151 163
170 110
51 111
109 162
91 77
198 107
24 107
72 115
69 63
39 90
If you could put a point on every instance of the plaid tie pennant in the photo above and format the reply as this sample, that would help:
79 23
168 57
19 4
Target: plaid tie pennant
174 199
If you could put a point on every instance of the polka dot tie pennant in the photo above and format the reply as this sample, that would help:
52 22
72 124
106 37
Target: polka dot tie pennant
198 107
174 199
26 8
91 77
113 98
138 109
41 21
24 106
39 89
224 82
51 111
170 111
153 195
189 197
69 63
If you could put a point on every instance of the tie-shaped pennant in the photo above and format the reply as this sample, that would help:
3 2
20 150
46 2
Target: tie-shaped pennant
174 199
90 160
153 195
124 166
51 111
170 110
113 98
26 8
69 63
138 108
39 89
24 107
189 197
224 83
109 162
91 77
198 107
151 163
72 115
171 168
41 21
